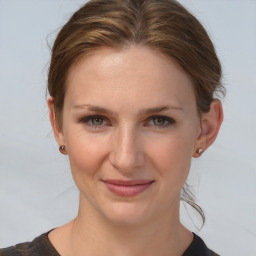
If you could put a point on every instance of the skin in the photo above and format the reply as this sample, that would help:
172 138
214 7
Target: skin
130 144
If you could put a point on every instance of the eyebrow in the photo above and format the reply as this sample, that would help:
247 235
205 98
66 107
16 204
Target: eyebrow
143 111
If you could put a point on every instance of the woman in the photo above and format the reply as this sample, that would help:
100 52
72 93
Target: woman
132 87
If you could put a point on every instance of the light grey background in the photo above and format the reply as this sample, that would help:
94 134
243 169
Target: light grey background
37 192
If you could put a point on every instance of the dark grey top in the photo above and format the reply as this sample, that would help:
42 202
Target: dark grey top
41 246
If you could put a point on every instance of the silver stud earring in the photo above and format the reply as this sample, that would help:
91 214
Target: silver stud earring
199 151
62 149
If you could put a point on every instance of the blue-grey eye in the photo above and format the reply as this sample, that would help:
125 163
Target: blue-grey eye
159 120
97 120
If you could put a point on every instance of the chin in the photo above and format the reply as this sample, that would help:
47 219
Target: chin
127 213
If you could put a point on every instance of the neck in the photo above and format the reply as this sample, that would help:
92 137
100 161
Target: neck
93 234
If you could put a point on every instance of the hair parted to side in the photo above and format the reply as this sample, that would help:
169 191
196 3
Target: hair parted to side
164 25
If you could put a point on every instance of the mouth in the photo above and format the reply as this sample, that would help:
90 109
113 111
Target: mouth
127 188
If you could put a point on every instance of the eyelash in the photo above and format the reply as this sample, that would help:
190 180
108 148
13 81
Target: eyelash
85 121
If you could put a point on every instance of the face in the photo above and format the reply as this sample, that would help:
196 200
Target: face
130 115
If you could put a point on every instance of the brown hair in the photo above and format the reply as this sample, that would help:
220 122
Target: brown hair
164 25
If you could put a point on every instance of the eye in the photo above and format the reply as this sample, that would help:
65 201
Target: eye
95 122
98 122
162 121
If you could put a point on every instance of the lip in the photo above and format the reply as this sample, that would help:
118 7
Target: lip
127 188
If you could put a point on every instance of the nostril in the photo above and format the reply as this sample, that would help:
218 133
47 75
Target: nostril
126 162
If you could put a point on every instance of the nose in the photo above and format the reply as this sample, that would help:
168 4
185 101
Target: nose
127 150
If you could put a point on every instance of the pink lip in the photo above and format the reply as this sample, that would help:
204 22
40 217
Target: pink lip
127 188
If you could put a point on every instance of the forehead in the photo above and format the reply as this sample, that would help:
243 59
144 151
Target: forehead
135 74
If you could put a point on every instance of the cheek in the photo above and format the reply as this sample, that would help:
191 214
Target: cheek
86 154
171 157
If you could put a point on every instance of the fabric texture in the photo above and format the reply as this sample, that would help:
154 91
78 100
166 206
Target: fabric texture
41 246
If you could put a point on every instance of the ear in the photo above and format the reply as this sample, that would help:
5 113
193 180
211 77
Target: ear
58 134
210 125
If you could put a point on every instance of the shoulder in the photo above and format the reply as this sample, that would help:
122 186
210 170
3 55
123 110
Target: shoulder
40 246
199 248
16 250
9 251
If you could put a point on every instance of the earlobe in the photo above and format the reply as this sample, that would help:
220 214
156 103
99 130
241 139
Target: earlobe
210 125
55 126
